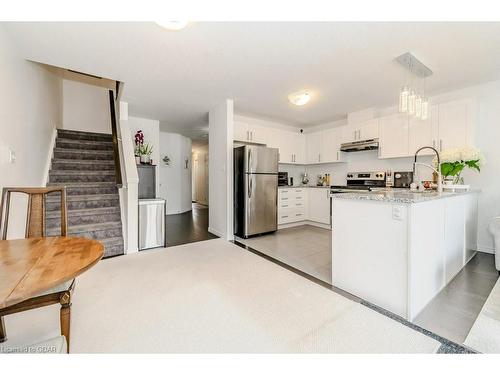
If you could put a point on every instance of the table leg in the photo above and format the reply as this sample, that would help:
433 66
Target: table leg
3 333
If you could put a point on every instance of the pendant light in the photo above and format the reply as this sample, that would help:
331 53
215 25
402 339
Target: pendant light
412 100
403 99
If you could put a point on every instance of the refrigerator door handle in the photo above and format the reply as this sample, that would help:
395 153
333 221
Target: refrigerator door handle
249 170
250 186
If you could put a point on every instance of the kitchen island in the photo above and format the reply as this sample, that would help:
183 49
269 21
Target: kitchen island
397 249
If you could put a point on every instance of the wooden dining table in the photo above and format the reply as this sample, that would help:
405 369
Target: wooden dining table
32 266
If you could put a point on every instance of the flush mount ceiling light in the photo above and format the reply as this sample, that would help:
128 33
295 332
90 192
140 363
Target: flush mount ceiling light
172 25
299 98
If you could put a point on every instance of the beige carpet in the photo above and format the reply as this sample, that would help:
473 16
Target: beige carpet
484 335
212 297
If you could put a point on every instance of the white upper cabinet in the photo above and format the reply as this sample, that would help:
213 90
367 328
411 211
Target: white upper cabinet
245 132
456 123
258 134
291 146
394 136
240 131
368 130
313 150
331 140
424 132
360 131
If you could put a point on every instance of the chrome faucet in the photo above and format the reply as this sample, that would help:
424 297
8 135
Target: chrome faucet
438 170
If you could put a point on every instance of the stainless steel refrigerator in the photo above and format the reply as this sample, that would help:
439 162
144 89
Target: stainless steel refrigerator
255 190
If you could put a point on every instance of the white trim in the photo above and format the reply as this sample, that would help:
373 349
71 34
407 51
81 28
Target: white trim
50 154
304 222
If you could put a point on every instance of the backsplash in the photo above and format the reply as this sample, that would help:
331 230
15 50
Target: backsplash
365 161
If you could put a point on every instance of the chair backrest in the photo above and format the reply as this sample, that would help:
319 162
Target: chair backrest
35 220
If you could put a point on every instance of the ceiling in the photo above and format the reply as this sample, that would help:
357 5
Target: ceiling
178 76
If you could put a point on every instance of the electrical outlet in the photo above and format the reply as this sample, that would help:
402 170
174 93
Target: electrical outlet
397 213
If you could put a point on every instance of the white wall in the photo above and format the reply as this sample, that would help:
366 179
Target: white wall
200 174
151 131
175 178
29 113
85 107
220 129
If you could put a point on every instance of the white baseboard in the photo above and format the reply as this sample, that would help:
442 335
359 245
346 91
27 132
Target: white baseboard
304 222
485 249
216 232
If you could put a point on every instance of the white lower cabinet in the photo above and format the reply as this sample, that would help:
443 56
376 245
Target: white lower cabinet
298 204
292 205
318 200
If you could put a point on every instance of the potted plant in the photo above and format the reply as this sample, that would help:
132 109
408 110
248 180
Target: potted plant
454 161
139 141
145 152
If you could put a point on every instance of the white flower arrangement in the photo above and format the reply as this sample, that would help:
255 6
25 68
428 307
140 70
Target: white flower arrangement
454 160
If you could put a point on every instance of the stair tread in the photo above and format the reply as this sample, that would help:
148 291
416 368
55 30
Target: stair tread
82 197
83 161
85 141
84 212
83 184
82 151
67 131
80 171
83 228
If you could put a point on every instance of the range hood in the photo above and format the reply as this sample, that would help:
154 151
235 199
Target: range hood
366 145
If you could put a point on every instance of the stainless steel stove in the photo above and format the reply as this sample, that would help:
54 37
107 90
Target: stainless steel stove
361 182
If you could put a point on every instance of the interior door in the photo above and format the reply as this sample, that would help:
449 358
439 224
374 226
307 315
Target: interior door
261 209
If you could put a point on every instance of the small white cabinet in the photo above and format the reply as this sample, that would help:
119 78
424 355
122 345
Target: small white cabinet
292 205
455 121
319 205
245 132
361 131
324 146
291 147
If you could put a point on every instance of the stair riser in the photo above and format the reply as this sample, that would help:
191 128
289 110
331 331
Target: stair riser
100 155
86 219
106 146
84 137
91 166
95 235
82 178
83 205
113 250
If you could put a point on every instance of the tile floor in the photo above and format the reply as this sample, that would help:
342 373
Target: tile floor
450 314
454 310
304 247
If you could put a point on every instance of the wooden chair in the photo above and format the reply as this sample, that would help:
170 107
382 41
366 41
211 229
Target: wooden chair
35 227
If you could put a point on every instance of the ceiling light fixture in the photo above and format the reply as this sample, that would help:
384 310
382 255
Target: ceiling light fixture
411 100
299 98
172 25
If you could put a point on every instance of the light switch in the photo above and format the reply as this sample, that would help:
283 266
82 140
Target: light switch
12 156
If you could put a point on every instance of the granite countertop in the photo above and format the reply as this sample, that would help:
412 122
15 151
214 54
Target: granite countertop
398 196
303 186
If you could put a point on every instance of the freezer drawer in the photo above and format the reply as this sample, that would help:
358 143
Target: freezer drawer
151 223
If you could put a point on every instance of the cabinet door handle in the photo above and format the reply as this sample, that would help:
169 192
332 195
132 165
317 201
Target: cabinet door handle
251 135
319 158
337 156
434 143
248 136
440 145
